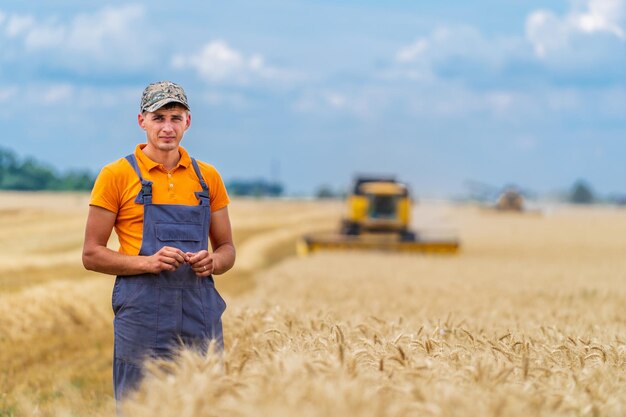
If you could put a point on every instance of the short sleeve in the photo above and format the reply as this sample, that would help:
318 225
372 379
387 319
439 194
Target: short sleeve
217 189
105 191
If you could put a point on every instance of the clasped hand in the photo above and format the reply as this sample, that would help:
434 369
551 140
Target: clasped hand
170 259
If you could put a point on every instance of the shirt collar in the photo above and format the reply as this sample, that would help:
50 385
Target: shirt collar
184 162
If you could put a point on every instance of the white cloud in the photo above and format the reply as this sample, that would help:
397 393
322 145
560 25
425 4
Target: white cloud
88 33
108 36
445 101
587 43
525 143
8 93
232 100
412 52
457 49
500 101
365 103
44 95
336 100
56 93
602 16
548 32
46 37
458 72
563 100
545 32
18 25
217 62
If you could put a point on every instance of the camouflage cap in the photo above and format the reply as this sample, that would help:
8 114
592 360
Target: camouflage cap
157 95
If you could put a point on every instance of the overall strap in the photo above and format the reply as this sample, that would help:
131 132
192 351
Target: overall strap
145 195
204 194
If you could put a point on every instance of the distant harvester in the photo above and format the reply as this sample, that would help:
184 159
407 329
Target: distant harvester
510 200
378 217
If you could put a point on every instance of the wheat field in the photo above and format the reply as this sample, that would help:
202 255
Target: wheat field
526 320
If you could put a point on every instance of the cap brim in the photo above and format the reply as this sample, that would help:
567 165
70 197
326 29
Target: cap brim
156 106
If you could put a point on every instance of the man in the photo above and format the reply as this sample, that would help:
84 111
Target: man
164 206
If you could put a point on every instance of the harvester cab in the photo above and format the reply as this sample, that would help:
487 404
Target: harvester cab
378 217
378 205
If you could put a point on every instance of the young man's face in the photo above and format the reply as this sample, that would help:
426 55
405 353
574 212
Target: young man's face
165 127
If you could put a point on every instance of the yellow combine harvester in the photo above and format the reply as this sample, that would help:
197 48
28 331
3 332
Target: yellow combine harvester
378 217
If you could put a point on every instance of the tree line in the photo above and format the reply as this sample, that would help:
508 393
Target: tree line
28 174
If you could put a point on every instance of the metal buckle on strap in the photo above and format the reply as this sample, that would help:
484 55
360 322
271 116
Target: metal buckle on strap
201 194
146 190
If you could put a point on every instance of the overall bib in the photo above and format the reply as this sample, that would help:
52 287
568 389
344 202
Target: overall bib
156 314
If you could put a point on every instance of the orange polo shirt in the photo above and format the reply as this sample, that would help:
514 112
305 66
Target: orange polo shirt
117 187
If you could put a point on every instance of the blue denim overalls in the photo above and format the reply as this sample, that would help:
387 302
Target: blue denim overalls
155 314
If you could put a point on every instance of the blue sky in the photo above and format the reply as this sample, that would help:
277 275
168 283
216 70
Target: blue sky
312 92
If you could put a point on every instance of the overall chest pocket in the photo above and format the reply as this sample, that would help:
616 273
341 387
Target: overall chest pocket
179 232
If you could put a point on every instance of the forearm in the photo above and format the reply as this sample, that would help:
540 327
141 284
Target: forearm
104 260
223 258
